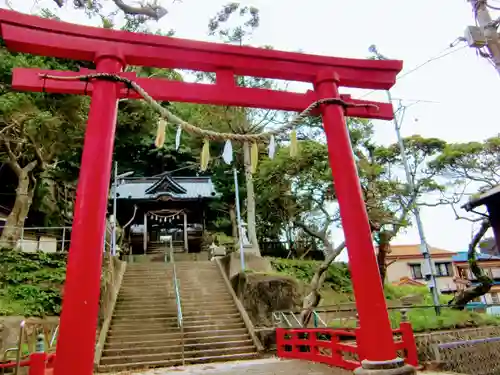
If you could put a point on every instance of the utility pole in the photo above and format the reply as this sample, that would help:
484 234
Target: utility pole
424 248
485 34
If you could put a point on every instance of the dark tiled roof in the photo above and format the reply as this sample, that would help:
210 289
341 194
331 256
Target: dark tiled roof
175 187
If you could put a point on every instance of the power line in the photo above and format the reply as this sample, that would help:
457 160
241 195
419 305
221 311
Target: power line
439 56
429 61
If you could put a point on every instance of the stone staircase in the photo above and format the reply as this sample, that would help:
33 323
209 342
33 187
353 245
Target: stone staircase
144 331
159 247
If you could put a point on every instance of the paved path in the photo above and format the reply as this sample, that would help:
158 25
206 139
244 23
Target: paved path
268 366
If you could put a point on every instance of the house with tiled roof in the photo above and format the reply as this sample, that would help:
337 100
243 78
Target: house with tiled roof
490 264
406 267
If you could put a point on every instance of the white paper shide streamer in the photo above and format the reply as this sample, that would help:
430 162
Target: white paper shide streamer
227 154
272 147
178 138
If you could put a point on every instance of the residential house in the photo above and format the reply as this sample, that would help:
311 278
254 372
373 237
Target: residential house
406 266
490 265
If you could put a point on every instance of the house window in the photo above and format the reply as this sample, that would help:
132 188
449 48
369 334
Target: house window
494 298
416 271
444 269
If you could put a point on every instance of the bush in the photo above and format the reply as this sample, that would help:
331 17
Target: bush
31 283
337 275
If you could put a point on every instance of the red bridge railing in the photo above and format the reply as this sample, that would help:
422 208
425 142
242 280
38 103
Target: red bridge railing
337 347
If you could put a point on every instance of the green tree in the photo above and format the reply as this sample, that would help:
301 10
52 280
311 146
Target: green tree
390 200
34 130
470 168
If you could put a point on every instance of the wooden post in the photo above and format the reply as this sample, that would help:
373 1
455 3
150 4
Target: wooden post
186 247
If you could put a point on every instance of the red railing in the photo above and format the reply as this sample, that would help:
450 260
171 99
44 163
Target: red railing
337 347
38 363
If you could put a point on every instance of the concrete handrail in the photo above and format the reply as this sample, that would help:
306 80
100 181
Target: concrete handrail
107 320
244 315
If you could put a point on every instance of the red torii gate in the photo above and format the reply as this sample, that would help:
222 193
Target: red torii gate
112 51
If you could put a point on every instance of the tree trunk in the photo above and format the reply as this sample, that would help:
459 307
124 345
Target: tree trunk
312 300
251 222
15 221
234 223
383 250
462 298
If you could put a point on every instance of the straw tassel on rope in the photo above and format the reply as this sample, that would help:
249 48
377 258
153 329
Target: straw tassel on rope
254 157
160 133
294 147
205 155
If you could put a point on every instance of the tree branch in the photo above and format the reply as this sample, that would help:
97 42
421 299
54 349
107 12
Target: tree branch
12 158
38 152
148 10
309 231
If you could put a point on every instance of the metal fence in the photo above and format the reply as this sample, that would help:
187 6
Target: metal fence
52 239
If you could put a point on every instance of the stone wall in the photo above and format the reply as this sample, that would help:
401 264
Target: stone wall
474 358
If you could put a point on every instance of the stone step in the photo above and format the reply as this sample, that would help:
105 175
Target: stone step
171 286
201 297
178 362
169 300
172 324
172 314
197 314
167 322
118 317
210 326
176 340
121 338
156 357
173 346
145 330
166 299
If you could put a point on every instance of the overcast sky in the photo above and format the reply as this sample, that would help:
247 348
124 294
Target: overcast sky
462 85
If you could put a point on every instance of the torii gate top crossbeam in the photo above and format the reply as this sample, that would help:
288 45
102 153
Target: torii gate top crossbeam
31 34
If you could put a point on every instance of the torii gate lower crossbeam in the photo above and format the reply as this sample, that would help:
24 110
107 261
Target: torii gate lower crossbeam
112 51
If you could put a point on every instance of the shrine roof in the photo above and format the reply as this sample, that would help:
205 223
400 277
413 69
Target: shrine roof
152 188
481 198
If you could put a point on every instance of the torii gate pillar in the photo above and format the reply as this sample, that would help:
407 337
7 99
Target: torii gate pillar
111 51
81 302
